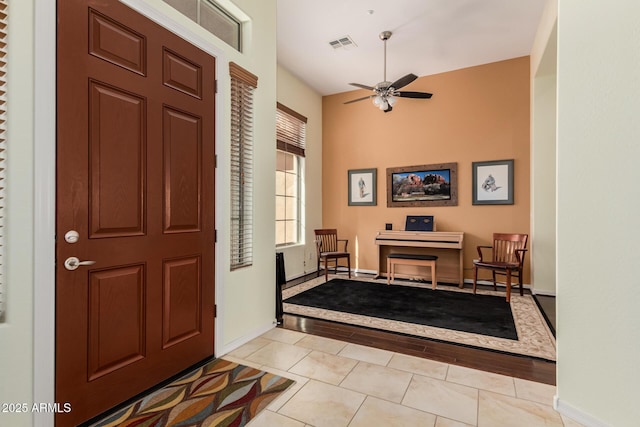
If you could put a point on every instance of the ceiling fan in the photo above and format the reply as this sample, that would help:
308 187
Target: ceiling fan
385 92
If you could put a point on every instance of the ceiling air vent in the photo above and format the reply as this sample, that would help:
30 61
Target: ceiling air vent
343 42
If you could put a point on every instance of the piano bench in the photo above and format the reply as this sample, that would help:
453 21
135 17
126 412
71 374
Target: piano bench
411 259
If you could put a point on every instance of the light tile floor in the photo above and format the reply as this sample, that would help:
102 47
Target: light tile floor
339 384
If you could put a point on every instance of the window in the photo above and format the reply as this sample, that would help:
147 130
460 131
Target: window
213 18
287 198
243 83
290 135
3 121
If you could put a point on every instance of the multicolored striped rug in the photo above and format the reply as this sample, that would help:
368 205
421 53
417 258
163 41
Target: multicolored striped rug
220 393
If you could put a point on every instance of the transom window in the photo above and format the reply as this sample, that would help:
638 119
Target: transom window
213 18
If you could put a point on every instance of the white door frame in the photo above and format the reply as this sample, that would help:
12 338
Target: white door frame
44 209
45 188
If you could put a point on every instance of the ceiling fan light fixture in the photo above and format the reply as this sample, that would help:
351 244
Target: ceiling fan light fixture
385 94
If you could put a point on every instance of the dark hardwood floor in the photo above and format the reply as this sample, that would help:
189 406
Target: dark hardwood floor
490 361
547 305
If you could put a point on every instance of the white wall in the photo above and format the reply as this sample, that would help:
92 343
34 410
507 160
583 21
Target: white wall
292 92
598 210
248 294
16 333
543 183
543 156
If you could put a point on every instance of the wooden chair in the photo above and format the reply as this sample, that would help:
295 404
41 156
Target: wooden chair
327 250
507 259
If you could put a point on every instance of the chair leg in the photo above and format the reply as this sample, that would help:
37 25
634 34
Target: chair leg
475 278
494 281
508 285
318 270
520 281
349 265
326 269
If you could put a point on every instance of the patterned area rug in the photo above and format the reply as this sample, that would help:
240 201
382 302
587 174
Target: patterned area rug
534 337
220 393
461 311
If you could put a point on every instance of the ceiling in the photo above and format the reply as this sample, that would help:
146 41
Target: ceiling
429 37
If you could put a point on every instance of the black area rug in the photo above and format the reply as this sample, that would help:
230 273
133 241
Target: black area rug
478 314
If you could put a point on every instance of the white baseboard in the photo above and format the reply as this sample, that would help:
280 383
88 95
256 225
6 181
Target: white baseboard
576 414
297 276
363 271
466 281
354 270
245 338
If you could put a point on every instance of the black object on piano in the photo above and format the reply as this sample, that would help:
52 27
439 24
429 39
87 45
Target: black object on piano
419 223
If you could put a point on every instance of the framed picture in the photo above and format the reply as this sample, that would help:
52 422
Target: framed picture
493 182
426 185
362 187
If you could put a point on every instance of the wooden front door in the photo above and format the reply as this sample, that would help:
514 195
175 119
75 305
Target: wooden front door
135 181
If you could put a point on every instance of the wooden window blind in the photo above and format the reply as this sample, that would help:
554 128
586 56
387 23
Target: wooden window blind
243 84
3 132
290 130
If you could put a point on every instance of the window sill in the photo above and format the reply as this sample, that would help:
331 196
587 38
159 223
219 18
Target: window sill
291 246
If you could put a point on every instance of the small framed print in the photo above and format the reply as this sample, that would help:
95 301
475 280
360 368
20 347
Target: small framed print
493 182
362 187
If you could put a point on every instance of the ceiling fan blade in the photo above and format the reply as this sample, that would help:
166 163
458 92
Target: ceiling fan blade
359 99
403 81
361 86
405 94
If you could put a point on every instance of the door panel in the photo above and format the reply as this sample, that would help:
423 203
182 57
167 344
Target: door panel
182 170
135 179
116 43
117 123
181 74
116 319
182 300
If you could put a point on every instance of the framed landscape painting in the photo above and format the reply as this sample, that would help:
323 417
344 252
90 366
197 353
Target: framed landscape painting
493 182
426 185
362 187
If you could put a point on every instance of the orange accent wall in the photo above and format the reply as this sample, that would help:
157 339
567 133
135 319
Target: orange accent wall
476 114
